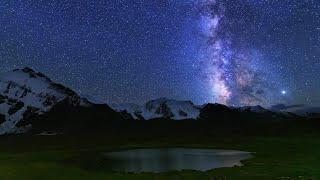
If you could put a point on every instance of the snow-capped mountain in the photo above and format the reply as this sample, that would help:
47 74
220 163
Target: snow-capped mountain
161 108
24 92
179 110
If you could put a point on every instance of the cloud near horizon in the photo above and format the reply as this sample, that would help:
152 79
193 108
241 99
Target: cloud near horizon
280 107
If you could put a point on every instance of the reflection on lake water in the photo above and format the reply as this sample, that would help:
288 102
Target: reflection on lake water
162 160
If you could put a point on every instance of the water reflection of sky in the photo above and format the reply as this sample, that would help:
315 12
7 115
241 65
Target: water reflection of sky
161 160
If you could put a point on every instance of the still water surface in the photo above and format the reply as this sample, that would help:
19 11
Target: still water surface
162 160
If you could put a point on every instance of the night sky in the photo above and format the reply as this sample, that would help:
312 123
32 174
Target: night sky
235 52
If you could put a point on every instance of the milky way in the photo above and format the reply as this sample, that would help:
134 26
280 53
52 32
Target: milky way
230 73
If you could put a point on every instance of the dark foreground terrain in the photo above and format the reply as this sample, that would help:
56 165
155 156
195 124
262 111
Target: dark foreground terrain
282 150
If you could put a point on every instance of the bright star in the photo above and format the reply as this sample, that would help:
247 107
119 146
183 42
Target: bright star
283 92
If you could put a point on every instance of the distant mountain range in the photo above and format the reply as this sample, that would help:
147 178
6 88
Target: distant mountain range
30 101
164 108
299 109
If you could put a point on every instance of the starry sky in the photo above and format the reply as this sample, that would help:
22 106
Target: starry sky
235 52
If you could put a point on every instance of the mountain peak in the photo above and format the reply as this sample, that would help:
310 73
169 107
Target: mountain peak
32 73
25 89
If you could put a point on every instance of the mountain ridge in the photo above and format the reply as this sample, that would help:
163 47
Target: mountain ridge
25 93
183 109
